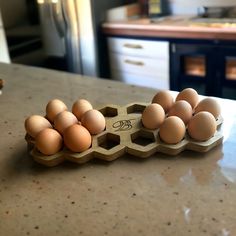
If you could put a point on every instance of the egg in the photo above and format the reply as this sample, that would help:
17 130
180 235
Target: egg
35 123
48 141
77 138
165 99
202 126
80 107
210 105
54 107
172 131
182 109
190 95
94 121
153 116
64 120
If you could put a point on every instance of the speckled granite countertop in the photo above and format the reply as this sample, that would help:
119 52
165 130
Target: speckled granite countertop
189 194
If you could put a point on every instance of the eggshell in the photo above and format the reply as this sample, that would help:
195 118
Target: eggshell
190 95
48 141
172 130
77 138
64 120
54 107
153 116
94 121
80 107
165 99
35 123
182 109
210 105
202 126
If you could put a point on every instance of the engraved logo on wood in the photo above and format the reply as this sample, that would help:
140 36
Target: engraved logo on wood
123 125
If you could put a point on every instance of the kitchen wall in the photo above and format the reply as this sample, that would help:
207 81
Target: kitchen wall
14 12
190 6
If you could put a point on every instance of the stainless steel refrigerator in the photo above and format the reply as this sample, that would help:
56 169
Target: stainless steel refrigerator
71 29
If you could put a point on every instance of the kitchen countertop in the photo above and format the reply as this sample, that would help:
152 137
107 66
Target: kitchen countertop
172 27
188 194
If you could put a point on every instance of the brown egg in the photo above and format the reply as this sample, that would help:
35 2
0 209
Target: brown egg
172 130
93 121
63 120
153 116
77 138
54 107
35 123
210 105
190 95
165 99
80 107
48 141
202 126
182 109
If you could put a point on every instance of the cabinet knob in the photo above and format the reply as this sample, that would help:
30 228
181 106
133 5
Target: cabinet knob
173 48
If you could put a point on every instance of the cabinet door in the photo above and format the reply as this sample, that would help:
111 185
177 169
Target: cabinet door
194 65
227 64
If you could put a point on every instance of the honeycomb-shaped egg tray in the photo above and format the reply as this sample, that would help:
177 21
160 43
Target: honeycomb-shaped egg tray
125 134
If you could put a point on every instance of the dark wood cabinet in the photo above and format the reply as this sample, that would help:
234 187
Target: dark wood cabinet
227 72
208 67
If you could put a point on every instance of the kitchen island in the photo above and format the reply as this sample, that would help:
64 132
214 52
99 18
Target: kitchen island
188 194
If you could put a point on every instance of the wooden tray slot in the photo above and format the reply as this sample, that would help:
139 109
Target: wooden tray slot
109 111
108 141
143 137
135 108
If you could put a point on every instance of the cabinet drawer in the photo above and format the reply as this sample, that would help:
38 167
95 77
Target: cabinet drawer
135 47
157 82
138 65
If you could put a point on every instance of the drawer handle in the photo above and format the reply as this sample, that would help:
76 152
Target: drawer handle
136 63
134 46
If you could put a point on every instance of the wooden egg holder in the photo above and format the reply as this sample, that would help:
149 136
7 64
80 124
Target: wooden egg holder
125 134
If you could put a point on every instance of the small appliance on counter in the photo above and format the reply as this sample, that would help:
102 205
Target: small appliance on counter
157 8
217 12
215 15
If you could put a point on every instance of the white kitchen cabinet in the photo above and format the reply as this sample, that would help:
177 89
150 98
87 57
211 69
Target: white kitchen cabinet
139 62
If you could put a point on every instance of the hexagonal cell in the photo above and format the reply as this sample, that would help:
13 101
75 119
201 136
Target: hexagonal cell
143 137
135 108
108 141
109 111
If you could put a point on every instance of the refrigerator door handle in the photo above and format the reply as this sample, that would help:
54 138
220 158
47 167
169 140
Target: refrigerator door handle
58 17
72 37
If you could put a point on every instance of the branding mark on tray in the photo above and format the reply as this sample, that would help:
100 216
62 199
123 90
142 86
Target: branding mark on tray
123 125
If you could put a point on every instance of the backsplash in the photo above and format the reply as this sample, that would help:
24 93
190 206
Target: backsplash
190 6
